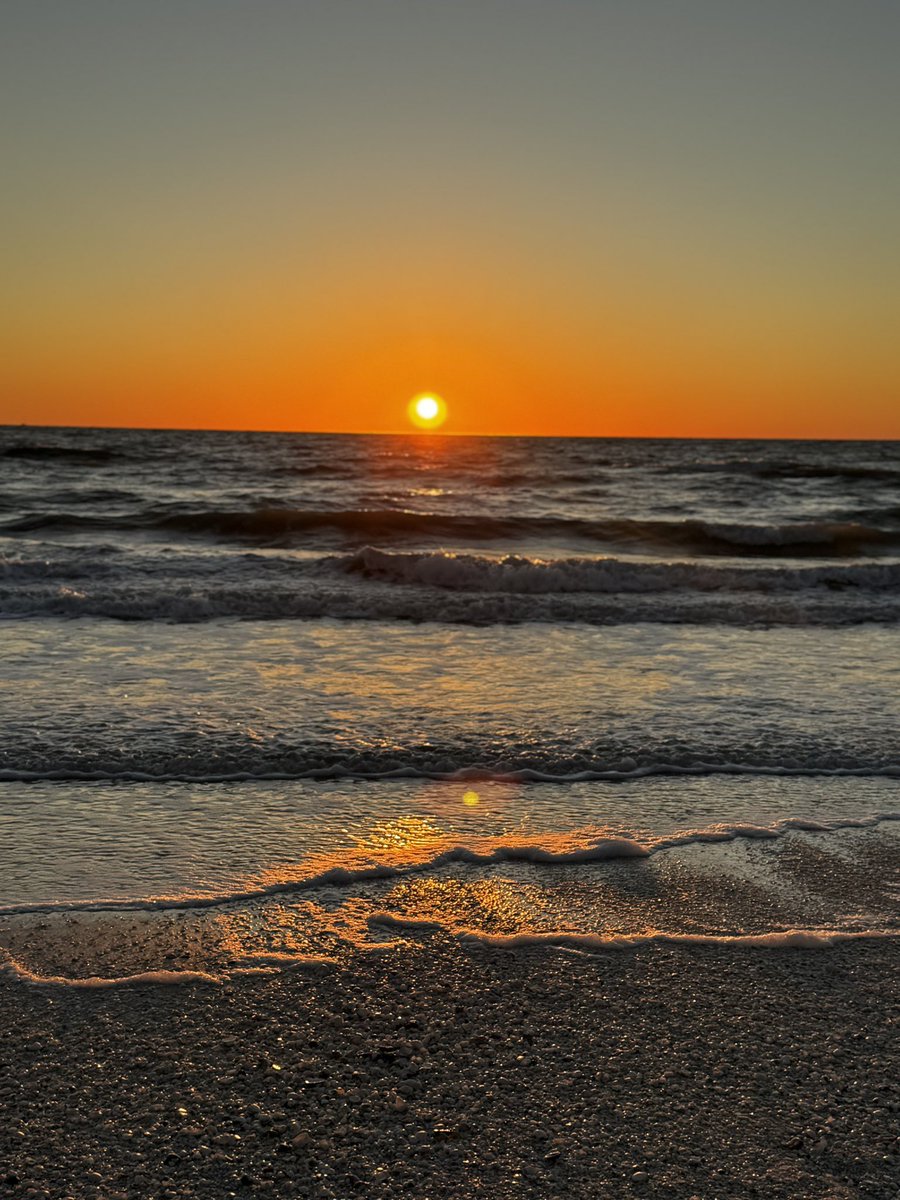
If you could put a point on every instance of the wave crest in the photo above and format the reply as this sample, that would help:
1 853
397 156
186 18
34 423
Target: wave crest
793 539
516 574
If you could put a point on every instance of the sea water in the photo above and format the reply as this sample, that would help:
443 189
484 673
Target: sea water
330 690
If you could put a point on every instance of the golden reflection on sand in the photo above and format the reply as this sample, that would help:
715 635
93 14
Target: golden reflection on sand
396 844
440 866
495 905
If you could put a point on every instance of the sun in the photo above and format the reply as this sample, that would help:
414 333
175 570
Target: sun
427 410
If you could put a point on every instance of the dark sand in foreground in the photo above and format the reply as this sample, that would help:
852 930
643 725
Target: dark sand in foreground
435 1072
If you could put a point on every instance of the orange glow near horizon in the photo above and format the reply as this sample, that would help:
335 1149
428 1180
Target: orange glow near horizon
630 369
296 222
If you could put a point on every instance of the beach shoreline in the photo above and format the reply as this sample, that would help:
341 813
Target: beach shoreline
434 1070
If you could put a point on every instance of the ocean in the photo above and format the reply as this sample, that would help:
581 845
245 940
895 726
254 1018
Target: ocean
267 697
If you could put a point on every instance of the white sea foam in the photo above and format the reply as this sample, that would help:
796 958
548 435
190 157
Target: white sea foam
793 939
258 964
458 588
23 974
581 943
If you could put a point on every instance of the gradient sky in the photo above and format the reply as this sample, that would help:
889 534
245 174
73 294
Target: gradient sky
649 217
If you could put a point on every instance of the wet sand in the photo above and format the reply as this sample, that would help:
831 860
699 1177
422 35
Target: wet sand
440 1071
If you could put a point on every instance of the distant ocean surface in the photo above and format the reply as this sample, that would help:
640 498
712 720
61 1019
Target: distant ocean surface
479 531
237 669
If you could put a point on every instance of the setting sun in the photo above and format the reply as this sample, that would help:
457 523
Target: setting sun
427 410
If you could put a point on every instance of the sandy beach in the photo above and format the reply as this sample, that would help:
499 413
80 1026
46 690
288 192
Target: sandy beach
438 1071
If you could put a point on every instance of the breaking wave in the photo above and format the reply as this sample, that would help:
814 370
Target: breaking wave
372 584
516 574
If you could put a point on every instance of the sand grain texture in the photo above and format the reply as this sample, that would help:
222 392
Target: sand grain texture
442 1072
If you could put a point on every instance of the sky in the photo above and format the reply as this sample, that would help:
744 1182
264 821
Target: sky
585 217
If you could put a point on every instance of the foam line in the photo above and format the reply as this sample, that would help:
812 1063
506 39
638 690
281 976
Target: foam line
581 943
600 849
796 939
283 961
459 774
22 974
261 964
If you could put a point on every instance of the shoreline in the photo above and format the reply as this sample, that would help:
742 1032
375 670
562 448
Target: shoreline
441 1071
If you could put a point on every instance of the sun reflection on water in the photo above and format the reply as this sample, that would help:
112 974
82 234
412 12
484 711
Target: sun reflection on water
404 833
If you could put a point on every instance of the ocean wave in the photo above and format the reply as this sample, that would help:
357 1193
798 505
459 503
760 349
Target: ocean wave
87 455
785 469
516 574
85 566
195 601
512 574
394 764
793 539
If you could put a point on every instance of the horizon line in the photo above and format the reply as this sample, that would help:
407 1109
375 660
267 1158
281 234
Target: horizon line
423 433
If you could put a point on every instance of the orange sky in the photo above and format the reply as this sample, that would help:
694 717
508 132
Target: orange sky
592 220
